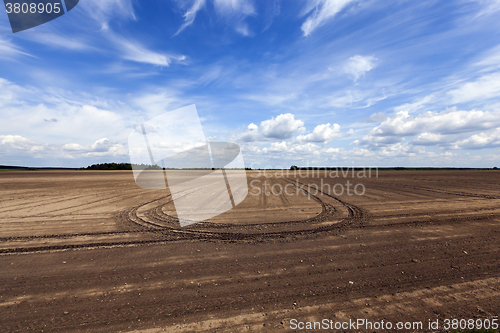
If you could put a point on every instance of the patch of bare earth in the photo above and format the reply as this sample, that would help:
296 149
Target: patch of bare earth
92 252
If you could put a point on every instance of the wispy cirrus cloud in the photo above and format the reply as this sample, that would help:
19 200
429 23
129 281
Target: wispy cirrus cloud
58 40
322 11
233 11
487 86
135 51
10 51
102 11
190 14
234 7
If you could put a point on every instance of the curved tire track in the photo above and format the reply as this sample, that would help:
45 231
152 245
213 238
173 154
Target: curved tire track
157 226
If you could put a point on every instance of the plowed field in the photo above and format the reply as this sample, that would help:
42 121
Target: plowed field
84 251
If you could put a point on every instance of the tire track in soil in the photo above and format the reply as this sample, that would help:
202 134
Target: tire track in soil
138 227
45 202
462 194
163 227
355 215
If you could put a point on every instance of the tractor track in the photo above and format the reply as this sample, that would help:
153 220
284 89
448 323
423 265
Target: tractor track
158 220
158 227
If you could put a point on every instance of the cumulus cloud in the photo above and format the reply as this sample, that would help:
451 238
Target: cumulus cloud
448 121
358 65
251 133
428 139
481 140
433 128
18 145
283 126
306 148
293 148
102 147
321 133
14 146
15 141
322 11
277 147
50 120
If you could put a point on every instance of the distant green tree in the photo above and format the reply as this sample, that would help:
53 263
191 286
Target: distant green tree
116 166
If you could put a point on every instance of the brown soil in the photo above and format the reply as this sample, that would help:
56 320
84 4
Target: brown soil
91 252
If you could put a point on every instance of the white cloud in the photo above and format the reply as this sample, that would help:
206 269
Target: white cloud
243 29
190 14
487 86
251 133
489 7
103 10
358 65
234 11
134 51
306 148
481 140
8 50
323 11
283 126
332 150
448 121
491 59
273 99
59 40
234 7
73 147
16 145
157 102
278 146
56 117
321 133
375 118
14 140
419 104
426 139
432 128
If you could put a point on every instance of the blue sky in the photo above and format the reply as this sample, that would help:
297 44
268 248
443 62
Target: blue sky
313 82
